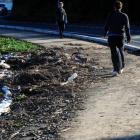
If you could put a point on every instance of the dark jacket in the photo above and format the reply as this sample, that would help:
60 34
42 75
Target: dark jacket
61 15
117 25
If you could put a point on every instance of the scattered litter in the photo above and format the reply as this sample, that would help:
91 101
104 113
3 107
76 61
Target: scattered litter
79 58
2 75
70 79
68 56
6 56
11 56
64 83
4 65
66 129
4 106
5 74
95 67
6 92
13 135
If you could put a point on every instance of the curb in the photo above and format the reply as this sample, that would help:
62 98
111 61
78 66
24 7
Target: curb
71 35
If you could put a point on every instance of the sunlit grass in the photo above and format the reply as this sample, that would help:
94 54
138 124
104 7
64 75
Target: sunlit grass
8 45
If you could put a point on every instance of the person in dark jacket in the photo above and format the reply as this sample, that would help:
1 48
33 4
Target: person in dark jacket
117 27
61 18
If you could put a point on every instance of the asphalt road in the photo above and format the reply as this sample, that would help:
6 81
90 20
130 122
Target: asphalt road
90 30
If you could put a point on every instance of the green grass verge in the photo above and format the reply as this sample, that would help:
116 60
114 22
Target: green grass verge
9 44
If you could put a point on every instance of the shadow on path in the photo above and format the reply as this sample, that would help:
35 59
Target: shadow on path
106 75
136 137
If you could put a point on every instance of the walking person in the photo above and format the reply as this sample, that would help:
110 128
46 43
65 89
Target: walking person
61 18
117 27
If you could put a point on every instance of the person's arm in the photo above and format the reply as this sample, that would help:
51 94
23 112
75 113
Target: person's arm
105 30
106 27
58 14
65 17
127 29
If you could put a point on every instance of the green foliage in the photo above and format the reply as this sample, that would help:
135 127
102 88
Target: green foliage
21 97
12 45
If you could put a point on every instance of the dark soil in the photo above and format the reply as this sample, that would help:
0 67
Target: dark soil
44 107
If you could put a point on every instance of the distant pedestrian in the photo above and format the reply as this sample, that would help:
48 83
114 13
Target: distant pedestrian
117 26
61 18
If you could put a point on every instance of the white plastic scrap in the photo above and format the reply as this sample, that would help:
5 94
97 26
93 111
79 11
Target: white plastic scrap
5 73
4 106
70 79
4 65
68 56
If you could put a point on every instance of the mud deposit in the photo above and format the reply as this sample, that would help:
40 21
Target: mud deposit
44 105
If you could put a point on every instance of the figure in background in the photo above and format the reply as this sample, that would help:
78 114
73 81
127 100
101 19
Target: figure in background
61 18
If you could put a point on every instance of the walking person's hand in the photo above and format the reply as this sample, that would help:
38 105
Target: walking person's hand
128 39
105 36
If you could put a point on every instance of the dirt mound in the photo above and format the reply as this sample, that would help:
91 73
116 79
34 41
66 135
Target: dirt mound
45 105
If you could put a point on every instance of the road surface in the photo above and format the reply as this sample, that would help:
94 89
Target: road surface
88 30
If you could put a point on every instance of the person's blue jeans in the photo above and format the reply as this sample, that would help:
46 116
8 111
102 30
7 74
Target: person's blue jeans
116 44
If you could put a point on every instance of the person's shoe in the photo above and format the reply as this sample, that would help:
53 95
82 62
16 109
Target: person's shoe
121 71
115 73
